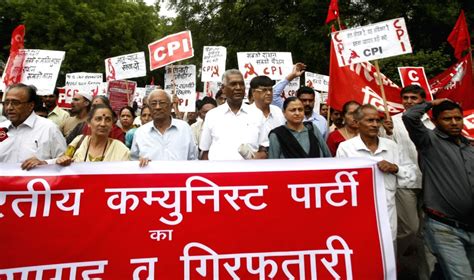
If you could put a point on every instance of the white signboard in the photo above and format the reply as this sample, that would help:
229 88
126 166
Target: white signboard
213 63
184 77
125 66
275 65
41 68
370 42
138 96
291 88
317 81
82 82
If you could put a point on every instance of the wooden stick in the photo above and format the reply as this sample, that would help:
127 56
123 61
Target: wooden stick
379 79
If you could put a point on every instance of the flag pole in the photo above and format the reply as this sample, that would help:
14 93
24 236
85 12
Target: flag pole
329 106
379 79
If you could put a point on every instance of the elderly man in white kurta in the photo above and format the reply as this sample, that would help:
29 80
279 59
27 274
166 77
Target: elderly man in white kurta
234 130
396 170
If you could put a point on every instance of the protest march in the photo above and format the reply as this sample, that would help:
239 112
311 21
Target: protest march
246 165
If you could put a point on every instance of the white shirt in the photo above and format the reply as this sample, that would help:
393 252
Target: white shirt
196 128
224 131
401 137
389 151
36 136
176 143
274 120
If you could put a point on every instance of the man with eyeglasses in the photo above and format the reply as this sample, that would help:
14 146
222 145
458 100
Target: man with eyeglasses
261 88
26 138
164 138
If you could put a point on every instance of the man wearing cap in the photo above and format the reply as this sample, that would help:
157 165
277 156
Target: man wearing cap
26 138
55 114
80 106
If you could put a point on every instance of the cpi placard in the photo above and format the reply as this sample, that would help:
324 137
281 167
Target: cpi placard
415 76
184 79
317 81
272 64
370 42
213 63
172 48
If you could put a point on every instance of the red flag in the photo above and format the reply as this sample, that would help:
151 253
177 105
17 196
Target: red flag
358 82
459 38
14 67
333 11
456 83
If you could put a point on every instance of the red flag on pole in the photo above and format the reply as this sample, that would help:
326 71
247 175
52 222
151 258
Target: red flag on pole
459 38
14 66
358 82
333 11
456 83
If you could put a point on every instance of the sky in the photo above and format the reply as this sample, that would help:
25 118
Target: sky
164 11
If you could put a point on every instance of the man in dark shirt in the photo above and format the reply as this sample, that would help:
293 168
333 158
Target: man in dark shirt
447 162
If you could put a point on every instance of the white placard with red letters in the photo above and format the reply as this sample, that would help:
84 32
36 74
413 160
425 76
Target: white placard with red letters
213 63
275 65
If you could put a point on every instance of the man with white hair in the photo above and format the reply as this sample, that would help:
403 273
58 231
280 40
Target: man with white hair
80 107
165 138
234 130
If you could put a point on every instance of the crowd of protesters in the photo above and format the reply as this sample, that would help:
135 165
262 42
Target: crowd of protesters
427 164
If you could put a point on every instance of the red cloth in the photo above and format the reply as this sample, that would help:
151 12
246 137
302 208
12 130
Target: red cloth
14 67
333 11
459 37
115 133
334 139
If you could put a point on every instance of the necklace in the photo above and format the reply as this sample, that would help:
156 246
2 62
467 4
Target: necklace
91 158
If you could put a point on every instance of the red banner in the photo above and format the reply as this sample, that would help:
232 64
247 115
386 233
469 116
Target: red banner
358 82
120 93
415 76
196 220
456 83
170 49
14 67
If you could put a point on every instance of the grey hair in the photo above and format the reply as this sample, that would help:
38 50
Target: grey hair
168 95
229 72
359 114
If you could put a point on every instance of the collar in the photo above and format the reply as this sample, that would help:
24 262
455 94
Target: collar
243 108
30 121
314 117
446 137
360 145
172 124
55 111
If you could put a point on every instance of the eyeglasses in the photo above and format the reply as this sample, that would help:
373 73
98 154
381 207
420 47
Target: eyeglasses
161 103
14 103
266 89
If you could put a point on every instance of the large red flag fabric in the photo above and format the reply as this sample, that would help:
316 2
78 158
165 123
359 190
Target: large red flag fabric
456 83
459 37
358 82
333 11
14 66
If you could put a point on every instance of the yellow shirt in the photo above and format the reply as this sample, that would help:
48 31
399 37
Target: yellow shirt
115 151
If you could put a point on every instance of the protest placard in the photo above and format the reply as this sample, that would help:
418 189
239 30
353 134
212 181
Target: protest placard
64 101
291 88
41 68
279 219
120 93
415 76
272 64
213 63
370 42
317 81
468 124
82 82
140 93
125 66
172 48
184 78
211 88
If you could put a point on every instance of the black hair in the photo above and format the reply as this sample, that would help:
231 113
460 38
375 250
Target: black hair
346 106
416 89
145 106
128 108
97 107
288 100
30 90
305 90
444 106
261 81
104 98
219 93
204 101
